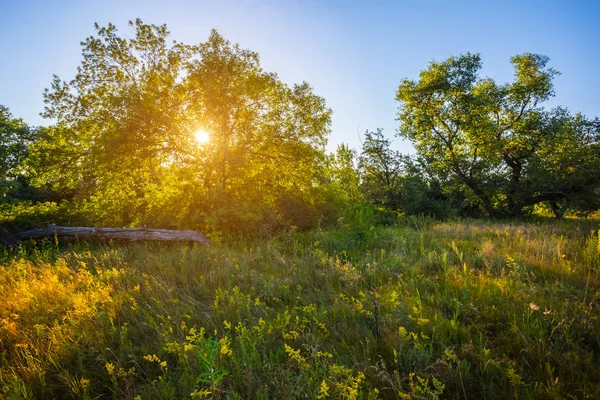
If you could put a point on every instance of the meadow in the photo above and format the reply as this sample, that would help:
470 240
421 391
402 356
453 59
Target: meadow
417 310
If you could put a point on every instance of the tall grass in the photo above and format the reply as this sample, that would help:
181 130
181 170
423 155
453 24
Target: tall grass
422 310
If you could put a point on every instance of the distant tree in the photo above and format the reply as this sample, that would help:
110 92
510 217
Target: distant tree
124 142
344 174
497 139
15 138
381 171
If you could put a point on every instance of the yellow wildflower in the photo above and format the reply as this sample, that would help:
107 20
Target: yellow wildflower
323 391
151 358
291 335
110 367
324 354
188 347
225 343
295 355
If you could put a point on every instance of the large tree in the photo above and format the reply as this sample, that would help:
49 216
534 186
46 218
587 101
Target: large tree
267 137
124 138
497 139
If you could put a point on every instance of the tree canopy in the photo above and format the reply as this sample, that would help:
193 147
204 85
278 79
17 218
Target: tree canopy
381 170
497 139
15 138
165 134
124 143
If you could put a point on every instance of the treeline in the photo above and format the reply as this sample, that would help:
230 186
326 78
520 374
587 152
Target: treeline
123 149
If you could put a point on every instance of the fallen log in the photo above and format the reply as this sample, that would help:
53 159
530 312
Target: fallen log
6 238
131 234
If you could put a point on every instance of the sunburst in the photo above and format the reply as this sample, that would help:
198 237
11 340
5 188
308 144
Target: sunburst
202 137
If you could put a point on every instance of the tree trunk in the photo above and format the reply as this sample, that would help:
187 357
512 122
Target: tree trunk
552 197
131 234
558 213
513 185
487 204
6 238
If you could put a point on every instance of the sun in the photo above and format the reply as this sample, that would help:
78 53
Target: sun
202 136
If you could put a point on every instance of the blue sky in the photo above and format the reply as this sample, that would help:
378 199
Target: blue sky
354 53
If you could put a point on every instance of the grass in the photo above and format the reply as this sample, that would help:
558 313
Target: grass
426 310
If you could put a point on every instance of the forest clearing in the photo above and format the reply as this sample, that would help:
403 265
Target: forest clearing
244 199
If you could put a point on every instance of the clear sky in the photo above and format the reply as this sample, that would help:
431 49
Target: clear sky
354 53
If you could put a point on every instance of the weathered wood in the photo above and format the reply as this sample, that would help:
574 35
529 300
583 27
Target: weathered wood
131 234
6 238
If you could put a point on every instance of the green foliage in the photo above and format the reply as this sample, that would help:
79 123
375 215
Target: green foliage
344 176
124 152
381 170
417 310
497 140
124 147
24 215
15 138
381 301
425 192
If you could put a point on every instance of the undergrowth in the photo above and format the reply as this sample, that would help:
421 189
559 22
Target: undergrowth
418 311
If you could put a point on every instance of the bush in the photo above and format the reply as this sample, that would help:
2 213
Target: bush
21 216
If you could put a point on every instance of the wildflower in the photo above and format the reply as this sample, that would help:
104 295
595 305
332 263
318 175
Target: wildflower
188 347
534 307
200 393
225 343
323 391
295 355
84 382
110 367
352 389
290 335
324 354
547 312
151 358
